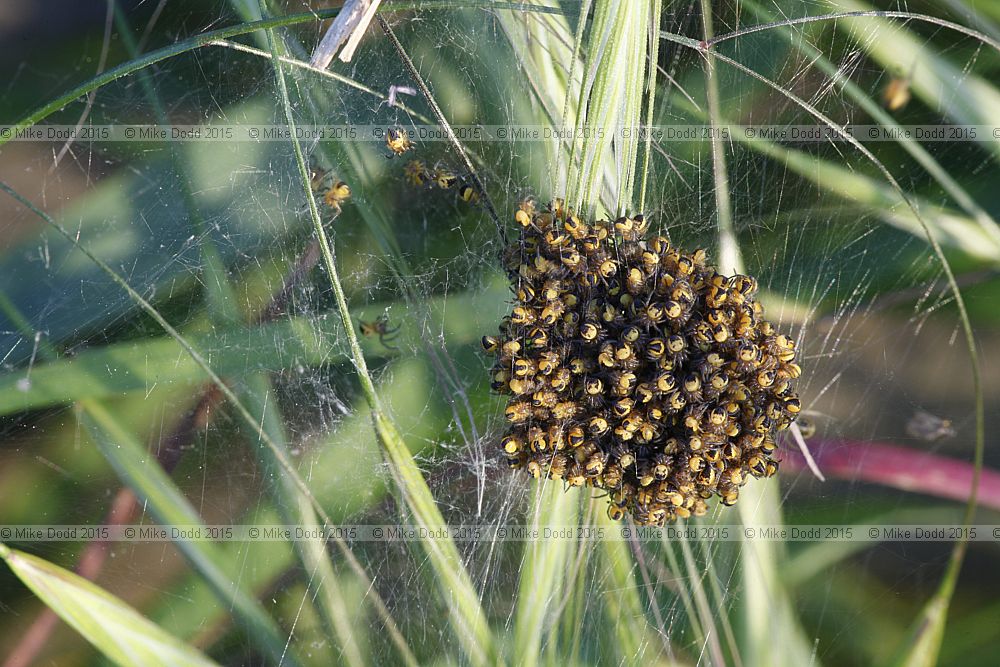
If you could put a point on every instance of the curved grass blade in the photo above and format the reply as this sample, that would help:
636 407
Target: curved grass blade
207 39
467 616
929 627
875 110
610 101
958 93
269 347
762 586
635 644
539 41
148 481
234 400
323 582
730 260
114 628
221 302
972 236
654 48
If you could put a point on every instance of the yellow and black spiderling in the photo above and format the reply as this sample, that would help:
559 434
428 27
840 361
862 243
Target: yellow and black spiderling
636 368
398 141
380 328
335 192
338 193
419 175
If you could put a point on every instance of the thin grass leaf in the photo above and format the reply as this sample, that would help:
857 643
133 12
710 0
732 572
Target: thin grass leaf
626 139
162 363
759 578
691 615
222 306
322 581
947 226
695 580
959 94
467 617
148 481
922 645
623 609
139 470
929 627
603 88
111 626
241 409
537 41
654 47
544 571
771 633
883 118
730 259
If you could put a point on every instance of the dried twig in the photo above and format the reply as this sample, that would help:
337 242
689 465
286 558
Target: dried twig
350 26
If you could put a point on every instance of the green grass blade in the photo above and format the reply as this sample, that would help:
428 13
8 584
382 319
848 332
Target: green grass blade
149 482
544 571
711 636
348 490
965 97
143 366
651 98
684 592
139 470
635 643
929 627
540 42
759 580
222 307
882 117
637 37
467 616
114 628
730 260
603 87
948 227
771 634
922 645
973 236
323 582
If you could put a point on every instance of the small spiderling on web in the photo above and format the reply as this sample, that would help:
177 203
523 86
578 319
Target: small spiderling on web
636 368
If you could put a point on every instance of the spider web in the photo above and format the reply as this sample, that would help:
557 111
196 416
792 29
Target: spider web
847 276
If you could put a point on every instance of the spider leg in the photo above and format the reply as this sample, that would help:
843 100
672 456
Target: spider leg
385 342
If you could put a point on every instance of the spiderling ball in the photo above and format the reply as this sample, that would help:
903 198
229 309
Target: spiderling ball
636 368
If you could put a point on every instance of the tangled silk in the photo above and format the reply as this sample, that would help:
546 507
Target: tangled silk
636 368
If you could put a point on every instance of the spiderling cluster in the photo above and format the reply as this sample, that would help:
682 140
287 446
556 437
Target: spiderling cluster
636 368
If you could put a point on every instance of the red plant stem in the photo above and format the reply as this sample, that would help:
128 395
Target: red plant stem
898 467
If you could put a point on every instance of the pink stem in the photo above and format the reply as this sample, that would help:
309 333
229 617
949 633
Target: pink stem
899 467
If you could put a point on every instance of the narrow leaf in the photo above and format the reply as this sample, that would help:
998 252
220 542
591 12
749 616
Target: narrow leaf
113 627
